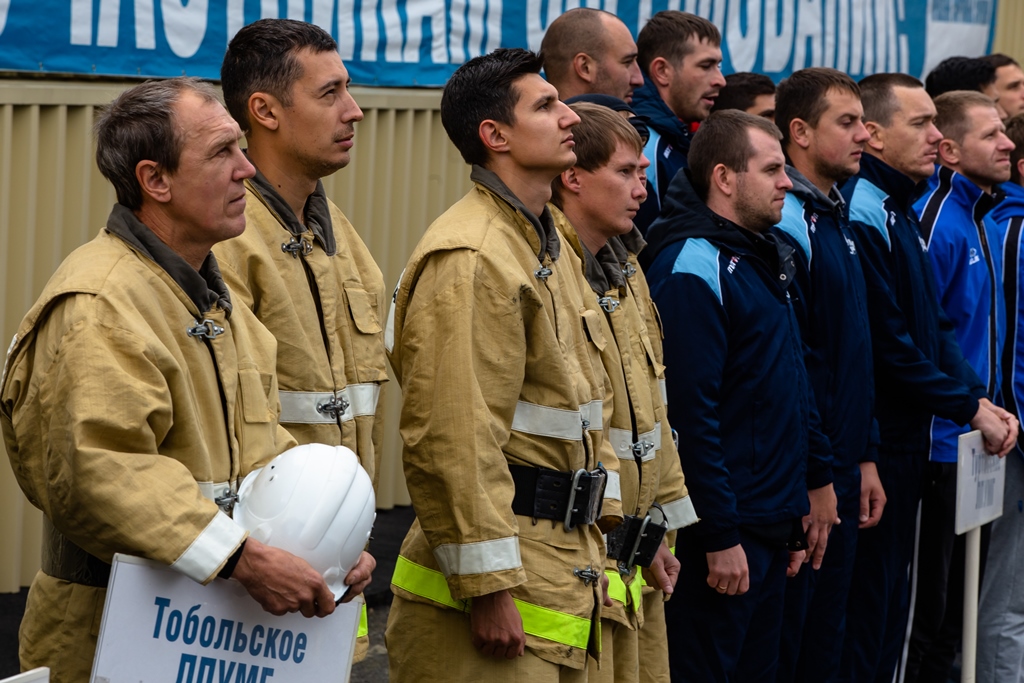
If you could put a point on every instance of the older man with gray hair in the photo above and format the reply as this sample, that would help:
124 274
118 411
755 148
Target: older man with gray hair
135 398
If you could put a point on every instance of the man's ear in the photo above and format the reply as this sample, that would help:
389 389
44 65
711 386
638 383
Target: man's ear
724 179
153 180
1020 167
877 139
585 67
492 134
949 152
800 133
661 72
571 180
263 111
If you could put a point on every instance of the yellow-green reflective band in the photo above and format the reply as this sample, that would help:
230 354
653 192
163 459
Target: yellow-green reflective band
672 550
542 622
617 588
364 626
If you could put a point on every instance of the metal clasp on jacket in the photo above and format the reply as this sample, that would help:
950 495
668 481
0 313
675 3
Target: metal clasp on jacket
588 575
642 448
207 329
542 272
334 406
608 303
296 247
227 501
629 270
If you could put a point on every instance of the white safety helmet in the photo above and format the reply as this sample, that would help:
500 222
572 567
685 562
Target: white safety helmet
316 502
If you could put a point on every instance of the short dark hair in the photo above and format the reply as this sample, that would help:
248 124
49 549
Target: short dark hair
804 96
877 94
598 133
952 107
578 30
261 58
959 73
483 88
724 138
1015 131
668 35
742 89
998 60
139 125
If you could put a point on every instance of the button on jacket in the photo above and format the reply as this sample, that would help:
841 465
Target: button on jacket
133 396
498 360
318 290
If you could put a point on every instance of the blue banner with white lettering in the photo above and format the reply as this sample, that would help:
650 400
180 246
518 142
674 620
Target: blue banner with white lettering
421 42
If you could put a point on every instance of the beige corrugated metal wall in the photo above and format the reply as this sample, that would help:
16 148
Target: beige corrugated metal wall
404 173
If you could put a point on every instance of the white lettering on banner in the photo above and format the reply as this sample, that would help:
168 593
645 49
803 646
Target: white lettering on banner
775 37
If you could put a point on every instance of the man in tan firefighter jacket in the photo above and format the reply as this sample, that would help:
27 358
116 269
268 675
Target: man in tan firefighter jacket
300 266
599 196
135 398
505 407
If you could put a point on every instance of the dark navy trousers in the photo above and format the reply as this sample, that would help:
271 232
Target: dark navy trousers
879 602
714 638
814 621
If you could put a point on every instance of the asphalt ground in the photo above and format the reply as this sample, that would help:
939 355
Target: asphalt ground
388 532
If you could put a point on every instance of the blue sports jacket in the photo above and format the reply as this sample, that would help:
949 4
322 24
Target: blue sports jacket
738 393
966 256
1008 219
666 149
920 371
830 299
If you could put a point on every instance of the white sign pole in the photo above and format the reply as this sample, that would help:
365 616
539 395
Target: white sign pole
972 568
980 480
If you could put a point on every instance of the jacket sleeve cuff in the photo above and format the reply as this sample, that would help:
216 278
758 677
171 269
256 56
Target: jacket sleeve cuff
818 477
466 586
211 549
870 454
970 409
720 540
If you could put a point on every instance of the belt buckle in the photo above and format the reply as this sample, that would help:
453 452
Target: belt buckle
573 488
593 482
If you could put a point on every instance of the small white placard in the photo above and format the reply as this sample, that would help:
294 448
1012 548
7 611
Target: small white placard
980 479
161 626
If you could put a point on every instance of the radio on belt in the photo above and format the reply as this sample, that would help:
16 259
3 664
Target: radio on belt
636 540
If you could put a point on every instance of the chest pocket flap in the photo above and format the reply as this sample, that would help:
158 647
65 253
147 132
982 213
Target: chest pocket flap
595 332
255 387
363 309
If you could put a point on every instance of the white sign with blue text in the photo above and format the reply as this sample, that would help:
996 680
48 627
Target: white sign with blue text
159 625
980 480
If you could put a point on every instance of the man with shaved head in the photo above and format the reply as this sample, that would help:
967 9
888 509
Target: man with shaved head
590 51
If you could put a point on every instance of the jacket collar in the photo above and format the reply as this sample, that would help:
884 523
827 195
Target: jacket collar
686 216
543 224
603 270
966 192
886 178
647 102
317 212
808 191
204 287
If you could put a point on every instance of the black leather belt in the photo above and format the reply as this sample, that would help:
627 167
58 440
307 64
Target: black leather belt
636 540
62 559
572 498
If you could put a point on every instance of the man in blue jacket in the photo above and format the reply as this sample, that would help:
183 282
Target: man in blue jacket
680 55
739 397
965 252
819 112
920 371
1001 609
